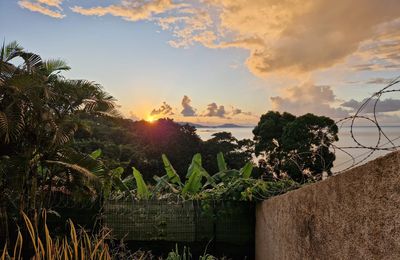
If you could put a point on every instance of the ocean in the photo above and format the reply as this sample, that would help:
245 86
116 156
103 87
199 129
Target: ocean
367 136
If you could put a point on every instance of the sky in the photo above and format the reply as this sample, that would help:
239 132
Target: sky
220 61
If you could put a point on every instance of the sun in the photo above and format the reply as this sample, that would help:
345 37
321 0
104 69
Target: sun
151 119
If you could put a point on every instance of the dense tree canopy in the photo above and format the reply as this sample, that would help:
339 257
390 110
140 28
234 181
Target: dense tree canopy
296 146
127 143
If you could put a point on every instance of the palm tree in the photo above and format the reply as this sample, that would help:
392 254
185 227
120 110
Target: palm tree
39 113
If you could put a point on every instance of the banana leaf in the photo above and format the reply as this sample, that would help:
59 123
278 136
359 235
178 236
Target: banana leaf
142 190
245 172
226 176
196 160
221 162
96 154
193 184
116 179
172 175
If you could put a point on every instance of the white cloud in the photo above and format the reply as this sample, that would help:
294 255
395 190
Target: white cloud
308 98
213 110
187 110
385 105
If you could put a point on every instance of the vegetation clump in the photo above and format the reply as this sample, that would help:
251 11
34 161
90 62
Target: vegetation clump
226 184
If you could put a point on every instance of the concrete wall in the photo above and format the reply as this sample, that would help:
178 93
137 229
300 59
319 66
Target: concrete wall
354 215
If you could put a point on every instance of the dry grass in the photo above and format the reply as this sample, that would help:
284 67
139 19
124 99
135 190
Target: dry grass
77 245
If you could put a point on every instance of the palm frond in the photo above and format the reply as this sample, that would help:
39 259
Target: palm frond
11 123
75 167
4 127
54 65
10 51
32 61
86 161
64 133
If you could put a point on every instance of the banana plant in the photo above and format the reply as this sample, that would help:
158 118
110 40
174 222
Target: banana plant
196 173
194 177
197 178
225 175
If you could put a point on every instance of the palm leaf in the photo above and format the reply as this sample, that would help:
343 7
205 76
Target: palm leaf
85 161
33 62
11 123
76 168
55 65
4 127
63 133
10 51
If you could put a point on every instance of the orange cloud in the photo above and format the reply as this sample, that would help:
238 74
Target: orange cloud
130 10
286 35
54 3
43 7
297 36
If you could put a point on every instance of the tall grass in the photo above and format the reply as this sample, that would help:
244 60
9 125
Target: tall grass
75 245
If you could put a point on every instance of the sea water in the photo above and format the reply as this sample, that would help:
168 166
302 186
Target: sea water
366 136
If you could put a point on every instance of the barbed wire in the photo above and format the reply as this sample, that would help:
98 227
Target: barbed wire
369 113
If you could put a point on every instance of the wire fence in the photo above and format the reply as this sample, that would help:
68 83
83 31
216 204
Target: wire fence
362 138
224 227
368 115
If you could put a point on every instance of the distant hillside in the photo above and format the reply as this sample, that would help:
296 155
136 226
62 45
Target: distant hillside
214 126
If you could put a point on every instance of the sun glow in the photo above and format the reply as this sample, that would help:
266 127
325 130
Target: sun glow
151 119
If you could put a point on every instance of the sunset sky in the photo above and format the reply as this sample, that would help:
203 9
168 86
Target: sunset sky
219 61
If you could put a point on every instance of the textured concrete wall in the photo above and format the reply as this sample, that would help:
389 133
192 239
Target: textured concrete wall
354 215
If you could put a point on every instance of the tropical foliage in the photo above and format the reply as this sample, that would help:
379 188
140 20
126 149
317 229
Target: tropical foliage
141 144
39 114
226 184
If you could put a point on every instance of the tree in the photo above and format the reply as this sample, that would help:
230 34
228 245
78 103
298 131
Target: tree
130 143
39 115
236 152
296 146
164 136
